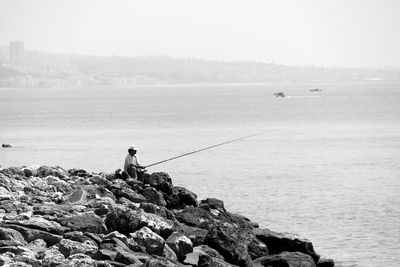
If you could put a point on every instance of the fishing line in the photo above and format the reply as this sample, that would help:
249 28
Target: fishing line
206 148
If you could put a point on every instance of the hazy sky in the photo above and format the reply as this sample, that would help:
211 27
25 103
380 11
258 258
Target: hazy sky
290 32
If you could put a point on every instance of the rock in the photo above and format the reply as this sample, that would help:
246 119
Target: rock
37 245
44 171
131 195
153 243
52 257
28 259
118 235
232 242
180 244
286 259
33 234
80 260
214 203
236 219
182 197
157 224
196 235
160 181
38 223
197 217
325 263
105 254
158 210
85 223
207 261
69 247
159 262
169 254
280 242
11 234
122 219
154 196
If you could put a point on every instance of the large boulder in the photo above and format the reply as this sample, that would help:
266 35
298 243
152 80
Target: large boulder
158 210
57 171
214 203
157 224
197 217
181 197
33 234
52 257
69 247
122 219
280 242
85 223
285 259
160 181
130 194
180 244
196 235
236 244
153 196
153 243
12 235
39 223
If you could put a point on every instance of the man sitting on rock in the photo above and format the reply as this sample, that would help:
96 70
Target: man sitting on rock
132 165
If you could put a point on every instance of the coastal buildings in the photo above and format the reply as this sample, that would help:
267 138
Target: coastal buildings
17 51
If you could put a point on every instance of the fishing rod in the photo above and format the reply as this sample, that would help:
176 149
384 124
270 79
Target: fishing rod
202 149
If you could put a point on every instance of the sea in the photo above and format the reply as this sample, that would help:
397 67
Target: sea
324 165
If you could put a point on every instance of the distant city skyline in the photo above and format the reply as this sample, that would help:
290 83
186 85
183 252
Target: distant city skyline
353 33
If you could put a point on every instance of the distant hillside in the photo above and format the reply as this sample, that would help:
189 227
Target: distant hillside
42 69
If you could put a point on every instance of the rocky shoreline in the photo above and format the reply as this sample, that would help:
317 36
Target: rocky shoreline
50 216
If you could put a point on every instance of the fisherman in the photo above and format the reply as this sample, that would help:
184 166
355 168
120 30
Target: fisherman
132 166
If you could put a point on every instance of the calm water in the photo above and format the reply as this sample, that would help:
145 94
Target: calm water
327 166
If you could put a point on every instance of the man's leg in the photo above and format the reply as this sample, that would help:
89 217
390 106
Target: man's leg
132 172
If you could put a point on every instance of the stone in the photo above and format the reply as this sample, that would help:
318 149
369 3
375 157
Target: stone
158 210
237 219
157 224
37 245
39 223
208 261
52 257
160 181
214 203
69 247
33 234
122 219
232 242
154 196
11 234
105 254
153 243
285 259
185 198
169 254
80 260
155 261
131 195
280 242
84 223
325 263
196 235
180 244
198 217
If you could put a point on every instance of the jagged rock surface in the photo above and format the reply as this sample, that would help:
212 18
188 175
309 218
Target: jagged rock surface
50 216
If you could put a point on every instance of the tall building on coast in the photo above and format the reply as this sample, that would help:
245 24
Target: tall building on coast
17 51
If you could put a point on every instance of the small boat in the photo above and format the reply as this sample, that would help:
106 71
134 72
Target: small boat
315 90
279 94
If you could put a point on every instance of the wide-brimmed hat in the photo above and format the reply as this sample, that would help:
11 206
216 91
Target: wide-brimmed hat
132 148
